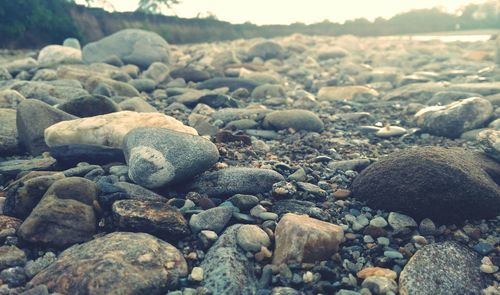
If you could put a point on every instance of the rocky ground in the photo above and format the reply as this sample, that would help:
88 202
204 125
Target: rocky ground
299 165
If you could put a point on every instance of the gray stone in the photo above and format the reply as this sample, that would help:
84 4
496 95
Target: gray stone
159 156
227 269
8 132
190 74
252 238
132 46
231 181
214 219
120 263
11 256
10 169
51 93
72 42
33 267
16 66
295 119
231 83
442 268
143 84
268 90
33 117
380 285
89 106
401 223
10 99
137 104
490 142
454 119
72 154
157 71
244 202
266 50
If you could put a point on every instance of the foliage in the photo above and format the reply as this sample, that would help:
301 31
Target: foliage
155 6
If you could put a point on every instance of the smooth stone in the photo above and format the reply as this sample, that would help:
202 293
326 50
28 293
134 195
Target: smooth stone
33 117
282 207
120 262
132 46
427 227
376 272
159 156
138 192
51 92
190 74
227 268
454 119
393 255
447 185
331 93
10 99
490 143
401 223
10 169
137 104
380 285
447 97
231 181
252 238
244 202
96 85
110 129
318 240
24 194
89 106
8 132
156 218
25 64
73 154
266 50
231 83
267 91
11 256
214 219
57 54
64 216
378 222
442 268
230 114
143 85
355 165
484 248
157 72
390 131
295 119
332 53
72 43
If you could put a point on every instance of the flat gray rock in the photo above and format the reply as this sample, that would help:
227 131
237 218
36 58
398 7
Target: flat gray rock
8 132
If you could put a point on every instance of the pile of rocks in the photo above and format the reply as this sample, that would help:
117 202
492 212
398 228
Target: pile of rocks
298 165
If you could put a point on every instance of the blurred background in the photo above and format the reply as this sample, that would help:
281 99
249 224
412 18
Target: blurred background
35 23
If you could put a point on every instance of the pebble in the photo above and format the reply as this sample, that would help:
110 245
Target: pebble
378 222
393 254
214 219
251 238
380 285
197 274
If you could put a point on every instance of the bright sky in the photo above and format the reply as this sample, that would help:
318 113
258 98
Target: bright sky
290 11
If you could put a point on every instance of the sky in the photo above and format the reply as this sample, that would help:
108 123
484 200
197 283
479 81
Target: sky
289 11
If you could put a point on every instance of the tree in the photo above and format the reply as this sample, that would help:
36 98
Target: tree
155 6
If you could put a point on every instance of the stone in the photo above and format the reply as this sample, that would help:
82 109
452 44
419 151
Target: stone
120 262
33 117
89 106
244 202
24 194
231 114
252 238
490 143
442 268
231 83
159 156
197 274
190 74
446 185
214 219
332 53
268 91
153 217
13 277
266 50
380 285
295 119
400 223
427 227
157 72
390 131
64 216
137 104
109 87
25 64
378 222
143 84
226 267
72 154
33 267
50 92
10 169
10 99
8 132
57 54
72 43
110 129
132 46
331 93
300 238
11 256
355 164
377 272
454 119
231 181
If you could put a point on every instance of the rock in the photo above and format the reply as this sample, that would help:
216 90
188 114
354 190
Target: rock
11 256
390 131
427 227
33 117
318 240
401 223
8 132
89 106
96 85
153 217
13 277
110 129
282 207
377 272
490 142
446 185
35 266
64 216
72 43
214 219
157 72
57 54
231 181
143 85
447 97
10 169
295 119
442 268
50 92
268 91
378 222
244 202
380 285
10 99
72 154
159 156
137 104
345 92
231 83
16 66
252 238
123 263
132 46
230 114
454 119
190 74
266 50
356 164
332 53
227 269
218 101
197 274
24 194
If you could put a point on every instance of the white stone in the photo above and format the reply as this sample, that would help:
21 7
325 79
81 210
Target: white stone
109 129
55 54
390 131
197 274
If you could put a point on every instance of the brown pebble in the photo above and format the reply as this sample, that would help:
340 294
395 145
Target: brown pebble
378 272
375 232
263 254
341 193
